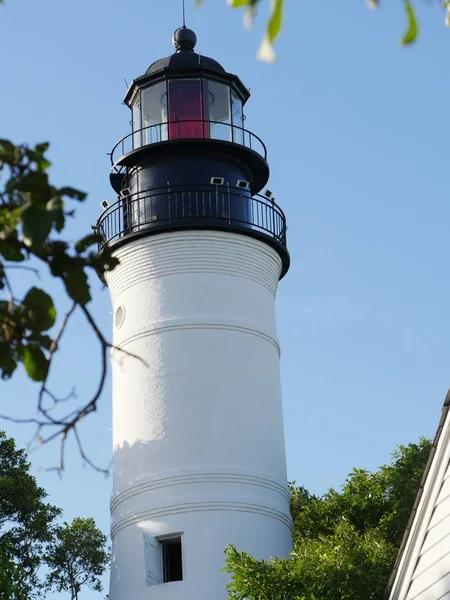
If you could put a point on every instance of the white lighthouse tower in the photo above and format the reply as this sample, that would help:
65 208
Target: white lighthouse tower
199 457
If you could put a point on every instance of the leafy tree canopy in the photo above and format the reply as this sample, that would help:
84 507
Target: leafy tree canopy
13 577
77 556
345 542
30 537
26 518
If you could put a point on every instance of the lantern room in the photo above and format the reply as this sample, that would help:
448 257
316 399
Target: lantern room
188 161
187 108
168 105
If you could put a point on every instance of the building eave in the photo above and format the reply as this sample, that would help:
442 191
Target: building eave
413 537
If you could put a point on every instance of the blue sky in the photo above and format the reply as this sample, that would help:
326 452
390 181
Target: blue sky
357 134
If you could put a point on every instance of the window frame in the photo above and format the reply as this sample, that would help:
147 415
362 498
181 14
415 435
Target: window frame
154 557
237 136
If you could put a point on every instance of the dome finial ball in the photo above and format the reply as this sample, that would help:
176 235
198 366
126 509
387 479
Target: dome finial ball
184 39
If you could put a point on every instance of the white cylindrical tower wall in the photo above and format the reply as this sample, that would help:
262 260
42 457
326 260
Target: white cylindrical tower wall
197 415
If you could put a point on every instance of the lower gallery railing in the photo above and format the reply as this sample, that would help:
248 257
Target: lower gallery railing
204 206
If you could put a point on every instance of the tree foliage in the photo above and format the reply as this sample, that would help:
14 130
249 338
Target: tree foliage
26 518
13 577
345 542
77 556
33 216
30 537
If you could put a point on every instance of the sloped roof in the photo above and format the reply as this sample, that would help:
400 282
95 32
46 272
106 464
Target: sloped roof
414 535
185 60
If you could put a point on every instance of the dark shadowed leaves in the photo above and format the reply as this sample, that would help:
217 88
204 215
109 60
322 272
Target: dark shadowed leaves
10 249
91 239
8 363
36 224
35 182
77 285
72 193
55 207
7 150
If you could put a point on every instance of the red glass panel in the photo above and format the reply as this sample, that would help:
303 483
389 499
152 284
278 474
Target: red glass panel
185 109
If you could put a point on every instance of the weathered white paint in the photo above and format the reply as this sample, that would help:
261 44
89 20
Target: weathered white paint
197 420
424 571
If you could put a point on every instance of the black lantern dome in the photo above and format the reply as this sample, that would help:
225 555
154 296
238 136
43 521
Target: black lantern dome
184 41
189 163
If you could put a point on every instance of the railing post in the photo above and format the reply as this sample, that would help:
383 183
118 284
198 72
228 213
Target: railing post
273 220
169 202
217 201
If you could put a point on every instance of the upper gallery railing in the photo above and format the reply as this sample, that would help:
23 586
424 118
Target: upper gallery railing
189 129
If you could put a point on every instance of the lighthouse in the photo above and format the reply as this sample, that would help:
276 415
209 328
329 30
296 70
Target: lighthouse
198 440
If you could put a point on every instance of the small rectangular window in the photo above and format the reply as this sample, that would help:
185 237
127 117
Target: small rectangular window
171 559
163 559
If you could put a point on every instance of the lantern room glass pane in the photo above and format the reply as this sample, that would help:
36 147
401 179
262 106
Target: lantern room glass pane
185 109
217 110
238 120
154 113
136 116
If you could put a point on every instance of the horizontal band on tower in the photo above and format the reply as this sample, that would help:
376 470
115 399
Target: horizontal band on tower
190 507
187 479
178 253
197 326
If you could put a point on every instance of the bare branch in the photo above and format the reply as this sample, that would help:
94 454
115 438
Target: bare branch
8 287
52 350
64 425
85 458
23 268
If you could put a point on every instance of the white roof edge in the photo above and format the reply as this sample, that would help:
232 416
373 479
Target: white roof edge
423 507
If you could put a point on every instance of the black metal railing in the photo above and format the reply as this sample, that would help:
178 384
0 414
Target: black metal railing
190 129
202 206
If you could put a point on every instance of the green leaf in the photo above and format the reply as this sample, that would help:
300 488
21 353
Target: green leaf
8 363
41 310
72 193
110 262
7 151
10 250
89 240
34 182
266 52
36 365
36 155
77 285
276 20
43 340
239 3
413 29
36 224
43 147
56 208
